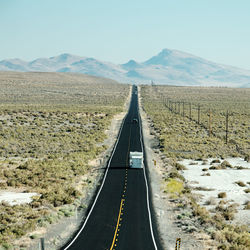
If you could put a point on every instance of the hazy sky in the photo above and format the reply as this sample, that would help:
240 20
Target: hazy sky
119 30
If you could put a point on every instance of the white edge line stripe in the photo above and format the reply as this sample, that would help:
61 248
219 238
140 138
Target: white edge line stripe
100 189
146 182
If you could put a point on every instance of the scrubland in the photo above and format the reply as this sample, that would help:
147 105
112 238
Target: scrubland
182 135
51 126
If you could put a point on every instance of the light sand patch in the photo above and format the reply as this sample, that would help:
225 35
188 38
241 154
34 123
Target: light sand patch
14 198
222 180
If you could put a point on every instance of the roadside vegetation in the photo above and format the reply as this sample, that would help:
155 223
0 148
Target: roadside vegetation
182 135
51 126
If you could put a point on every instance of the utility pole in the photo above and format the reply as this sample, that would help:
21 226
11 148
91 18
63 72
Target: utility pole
199 109
227 127
183 105
190 111
210 122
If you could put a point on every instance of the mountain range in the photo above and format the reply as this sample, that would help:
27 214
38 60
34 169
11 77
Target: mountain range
171 67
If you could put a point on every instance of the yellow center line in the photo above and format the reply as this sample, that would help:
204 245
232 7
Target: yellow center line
117 225
122 200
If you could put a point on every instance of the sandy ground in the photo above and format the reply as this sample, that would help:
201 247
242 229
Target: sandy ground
15 198
222 180
170 228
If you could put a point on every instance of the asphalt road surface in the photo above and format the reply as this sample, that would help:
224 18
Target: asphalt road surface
122 216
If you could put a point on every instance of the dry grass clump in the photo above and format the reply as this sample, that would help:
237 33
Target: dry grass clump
247 190
200 212
215 161
232 237
203 189
223 165
179 166
226 164
247 158
173 174
193 163
222 195
240 183
217 167
247 205
174 187
205 169
211 201
228 212
206 174
228 236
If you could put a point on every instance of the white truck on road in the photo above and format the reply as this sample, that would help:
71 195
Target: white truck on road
136 159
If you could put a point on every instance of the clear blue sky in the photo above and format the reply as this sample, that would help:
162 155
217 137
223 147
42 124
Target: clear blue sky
119 30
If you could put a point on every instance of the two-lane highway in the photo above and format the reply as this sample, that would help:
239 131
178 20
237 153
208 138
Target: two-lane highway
121 215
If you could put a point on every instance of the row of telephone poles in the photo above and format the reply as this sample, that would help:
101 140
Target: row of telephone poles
185 109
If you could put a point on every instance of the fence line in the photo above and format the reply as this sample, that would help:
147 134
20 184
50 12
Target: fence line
180 108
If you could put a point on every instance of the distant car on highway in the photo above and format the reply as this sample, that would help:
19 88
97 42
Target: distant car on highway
135 120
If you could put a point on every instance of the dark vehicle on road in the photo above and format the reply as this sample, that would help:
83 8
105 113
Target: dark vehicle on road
135 120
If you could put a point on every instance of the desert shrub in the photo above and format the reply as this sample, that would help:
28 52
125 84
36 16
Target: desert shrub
226 164
239 167
206 174
201 212
215 161
174 187
247 190
240 183
228 212
203 189
232 239
222 195
247 205
247 158
211 201
179 166
174 174
193 163
215 167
